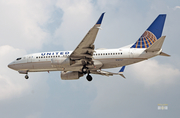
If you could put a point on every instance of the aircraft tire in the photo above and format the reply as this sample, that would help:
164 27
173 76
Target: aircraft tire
89 77
26 76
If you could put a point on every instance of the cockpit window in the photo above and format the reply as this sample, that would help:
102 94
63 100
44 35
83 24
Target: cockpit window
18 58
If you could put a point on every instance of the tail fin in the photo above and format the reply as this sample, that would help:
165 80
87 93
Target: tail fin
152 34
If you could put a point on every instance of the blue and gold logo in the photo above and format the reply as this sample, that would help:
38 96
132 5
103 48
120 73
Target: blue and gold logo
146 40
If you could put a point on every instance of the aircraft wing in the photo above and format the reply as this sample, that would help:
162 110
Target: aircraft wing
100 72
85 48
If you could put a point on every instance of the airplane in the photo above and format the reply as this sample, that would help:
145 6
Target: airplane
85 60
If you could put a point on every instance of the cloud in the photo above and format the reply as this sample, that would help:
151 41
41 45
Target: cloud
21 23
13 84
10 86
176 7
152 73
17 93
148 83
76 21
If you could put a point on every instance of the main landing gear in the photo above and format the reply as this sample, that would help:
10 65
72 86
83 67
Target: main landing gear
26 76
86 71
89 77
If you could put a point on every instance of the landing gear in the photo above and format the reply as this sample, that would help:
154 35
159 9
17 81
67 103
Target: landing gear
84 69
26 76
89 77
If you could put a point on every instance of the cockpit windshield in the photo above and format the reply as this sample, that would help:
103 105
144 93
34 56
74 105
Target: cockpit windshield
18 58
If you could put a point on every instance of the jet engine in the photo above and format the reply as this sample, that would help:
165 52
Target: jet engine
70 75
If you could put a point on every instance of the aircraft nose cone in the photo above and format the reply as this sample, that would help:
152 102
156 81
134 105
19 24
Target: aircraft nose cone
10 65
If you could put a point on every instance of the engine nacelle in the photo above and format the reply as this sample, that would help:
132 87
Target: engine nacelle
60 62
70 75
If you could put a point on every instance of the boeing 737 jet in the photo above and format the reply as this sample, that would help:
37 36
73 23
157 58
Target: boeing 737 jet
85 60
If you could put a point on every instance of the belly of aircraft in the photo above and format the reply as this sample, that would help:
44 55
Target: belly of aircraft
47 66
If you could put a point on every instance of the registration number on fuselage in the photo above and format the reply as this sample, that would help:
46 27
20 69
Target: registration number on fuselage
119 59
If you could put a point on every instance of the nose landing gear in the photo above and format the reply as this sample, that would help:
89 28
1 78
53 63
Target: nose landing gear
26 76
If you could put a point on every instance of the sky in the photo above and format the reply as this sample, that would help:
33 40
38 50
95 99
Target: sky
30 26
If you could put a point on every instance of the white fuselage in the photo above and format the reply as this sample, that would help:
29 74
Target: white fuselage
103 59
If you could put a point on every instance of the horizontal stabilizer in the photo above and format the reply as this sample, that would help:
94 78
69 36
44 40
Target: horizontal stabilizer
156 46
164 54
100 72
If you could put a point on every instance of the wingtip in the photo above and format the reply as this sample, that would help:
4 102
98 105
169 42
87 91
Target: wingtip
121 72
122 69
101 18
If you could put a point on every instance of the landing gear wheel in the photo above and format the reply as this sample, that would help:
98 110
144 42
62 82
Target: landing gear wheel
26 76
89 77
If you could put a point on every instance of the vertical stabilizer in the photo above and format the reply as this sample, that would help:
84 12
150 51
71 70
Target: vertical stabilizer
152 34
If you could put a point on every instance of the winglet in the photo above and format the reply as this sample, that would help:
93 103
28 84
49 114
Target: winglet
122 69
121 72
100 19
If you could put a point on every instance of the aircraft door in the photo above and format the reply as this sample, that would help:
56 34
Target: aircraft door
131 53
